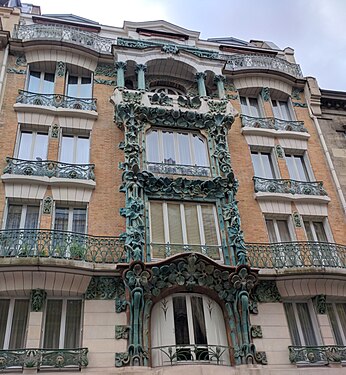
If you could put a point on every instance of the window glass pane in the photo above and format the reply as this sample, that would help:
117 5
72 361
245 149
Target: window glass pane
276 110
306 324
73 324
40 147
285 113
48 83
61 219
199 329
153 147
283 231
271 231
184 149
25 146
302 172
210 231
334 324
13 217
292 324
174 222
308 231
157 224
200 149
85 88
256 162
72 86
244 107
254 108
341 311
79 220
320 232
82 154
19 321
53 323
291 168
34 81
181 328
168 148
267 165
67 149
192 227
31 219
4 306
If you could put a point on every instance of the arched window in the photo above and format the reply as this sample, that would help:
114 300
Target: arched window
188 328
167 90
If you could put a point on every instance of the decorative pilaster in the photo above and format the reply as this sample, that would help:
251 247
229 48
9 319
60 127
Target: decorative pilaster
47 206
121 69
38 297
220 80
265 94
60 68
320 302
297 220
54 131
200 78
140 70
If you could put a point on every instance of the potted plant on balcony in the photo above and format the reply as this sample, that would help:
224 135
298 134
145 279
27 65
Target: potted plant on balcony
77 250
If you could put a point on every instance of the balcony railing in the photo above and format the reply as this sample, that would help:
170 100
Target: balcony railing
244 62
198 354
65 33
180 169
162 251
305 355
49 168
56 100
36 243
296 255
43 358
284 186
272 123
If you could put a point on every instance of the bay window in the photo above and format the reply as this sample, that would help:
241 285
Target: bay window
177 153
33 145
177 227
75 149
40 82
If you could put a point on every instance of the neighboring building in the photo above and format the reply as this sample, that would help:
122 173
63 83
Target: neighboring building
129 157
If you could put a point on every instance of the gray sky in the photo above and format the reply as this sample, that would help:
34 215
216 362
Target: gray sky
316 29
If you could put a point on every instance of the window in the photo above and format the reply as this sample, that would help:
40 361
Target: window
41 82
63 324
263 164
75 149
70 219
79 86
178 152
315 230
13 323
166 90
281 110
33 145
250 106
22 217
297 167
278 230
192 325
178 227
302 324
337 317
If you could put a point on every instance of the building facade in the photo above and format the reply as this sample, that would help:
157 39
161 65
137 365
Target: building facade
167 204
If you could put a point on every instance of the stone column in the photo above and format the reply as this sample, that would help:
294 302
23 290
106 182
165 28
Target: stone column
140 70
121 69
219 80
200 77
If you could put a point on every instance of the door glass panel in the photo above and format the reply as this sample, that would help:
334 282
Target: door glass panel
306 324
341 311
25 146
254 108
79 220
40 147
168 148
308 231
61 219
192 226
244 107
271 231
153 147
320 232
334 324
292 324
174 222
276 110
67 149
34 82
85 88
31 219
13 217
184 149
4 306
291 167
73 324
53 323
82 152
48 83
19 321
72 86
283 231
199 330
256 162
302 172
285 113
180 321
267 165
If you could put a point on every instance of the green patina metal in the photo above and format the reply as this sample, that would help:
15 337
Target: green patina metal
60 69
320 302
322 355
266 291
37 299
265 94
301 105
220 80
256 332
122 332
191 102
107 82
107 70
200 78
140 70
161 99
121 69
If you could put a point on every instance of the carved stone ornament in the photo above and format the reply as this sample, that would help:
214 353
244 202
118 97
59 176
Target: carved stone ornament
107 82
38 297
21 60
217 106
60 68
296 93
256 332
107 70
54 131
16 71
161 99
297 220
301 105
280 153
47 205
320 302
265 94
121 332
266 291
192 102
253 307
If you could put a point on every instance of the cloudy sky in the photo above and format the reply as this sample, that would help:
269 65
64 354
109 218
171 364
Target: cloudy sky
314 28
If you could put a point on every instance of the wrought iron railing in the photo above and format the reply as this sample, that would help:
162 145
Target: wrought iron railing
270 185
296 254
43 358
180 169
272 123
162 251
49 168
199 354
56 100
42 243
241 62
305 355
65 33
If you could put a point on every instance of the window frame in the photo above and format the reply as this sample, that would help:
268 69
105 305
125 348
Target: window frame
75 147
305 162
341 331
289 223
79 85
289 109
41 82
249 110
325 225
272 161
23 213
34 134
70 209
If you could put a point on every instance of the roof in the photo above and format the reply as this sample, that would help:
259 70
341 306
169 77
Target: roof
70 18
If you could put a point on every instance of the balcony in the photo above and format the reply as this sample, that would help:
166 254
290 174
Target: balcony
64 33
179 169
49 168
314 355
284 186
260 62
36 243
272 123
56 100
20 359
162 251
296 255
191 354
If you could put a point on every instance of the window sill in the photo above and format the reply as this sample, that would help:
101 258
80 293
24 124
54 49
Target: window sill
275 133
262 196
